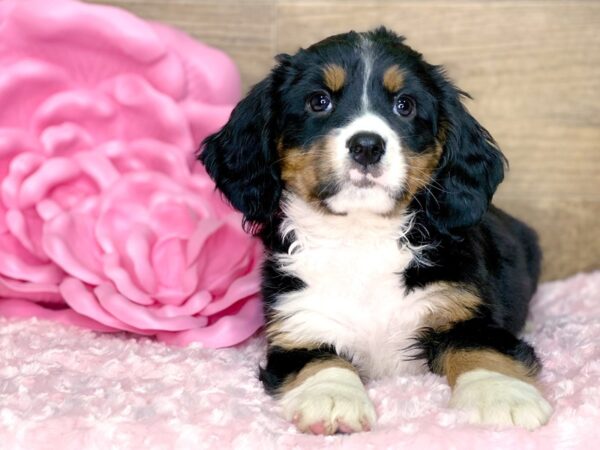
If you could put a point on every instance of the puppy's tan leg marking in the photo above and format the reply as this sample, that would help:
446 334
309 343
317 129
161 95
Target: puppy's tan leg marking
494 389
490 386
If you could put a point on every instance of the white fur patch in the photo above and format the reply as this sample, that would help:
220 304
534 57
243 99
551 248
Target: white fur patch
354 299
334 399
496 399
352 198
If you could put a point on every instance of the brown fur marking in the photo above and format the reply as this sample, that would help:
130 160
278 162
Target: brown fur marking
459 303
311 369
419 175
420 169
456 362
334 77
393 79
304 169
299 171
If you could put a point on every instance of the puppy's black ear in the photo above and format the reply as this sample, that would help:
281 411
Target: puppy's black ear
470 168
241 158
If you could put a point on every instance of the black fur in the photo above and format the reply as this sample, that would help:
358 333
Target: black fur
240 157
282 363
469 242
277 282
474 334
469 172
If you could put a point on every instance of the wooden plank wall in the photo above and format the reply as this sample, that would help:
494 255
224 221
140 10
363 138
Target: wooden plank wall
533 68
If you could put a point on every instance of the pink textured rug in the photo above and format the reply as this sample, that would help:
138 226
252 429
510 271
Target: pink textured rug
67 388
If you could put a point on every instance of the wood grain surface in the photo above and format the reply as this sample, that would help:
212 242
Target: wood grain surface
533 68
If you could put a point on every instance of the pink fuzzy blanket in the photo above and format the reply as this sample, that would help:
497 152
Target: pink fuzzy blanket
67 388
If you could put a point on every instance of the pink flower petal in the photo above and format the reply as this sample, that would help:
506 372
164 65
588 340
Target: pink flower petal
67 242
168 260
23 85
65 139
142 317
99 168
121 278
52 172
192 306
48 209
16 224
221 87
13 141
176 295
239 289
17 263
147 154
39 292
199 237
21 167
148 113
225 332
73 106
83 301
173 219
138 251
231 251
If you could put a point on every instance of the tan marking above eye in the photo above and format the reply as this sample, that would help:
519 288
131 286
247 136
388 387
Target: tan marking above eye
393 79
334 77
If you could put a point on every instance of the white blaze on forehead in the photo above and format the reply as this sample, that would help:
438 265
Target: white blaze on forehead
368 63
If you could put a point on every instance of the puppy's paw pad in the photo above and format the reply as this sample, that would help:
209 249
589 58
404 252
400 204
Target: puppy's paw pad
331 401
496 399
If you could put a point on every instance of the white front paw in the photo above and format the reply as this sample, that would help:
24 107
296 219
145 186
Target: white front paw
496 399
332 400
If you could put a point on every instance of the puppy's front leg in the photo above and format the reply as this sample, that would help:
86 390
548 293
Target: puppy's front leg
491 372
318 390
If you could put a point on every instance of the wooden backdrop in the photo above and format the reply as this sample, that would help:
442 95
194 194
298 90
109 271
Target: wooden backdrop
533 68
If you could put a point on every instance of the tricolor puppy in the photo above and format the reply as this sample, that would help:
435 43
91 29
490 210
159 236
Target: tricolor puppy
370 184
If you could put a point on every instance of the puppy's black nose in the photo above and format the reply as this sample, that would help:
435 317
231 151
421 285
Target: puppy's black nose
366 148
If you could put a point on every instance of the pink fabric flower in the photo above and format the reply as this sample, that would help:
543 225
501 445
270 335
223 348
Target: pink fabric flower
106 220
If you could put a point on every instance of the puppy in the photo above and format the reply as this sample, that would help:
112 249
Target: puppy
370 185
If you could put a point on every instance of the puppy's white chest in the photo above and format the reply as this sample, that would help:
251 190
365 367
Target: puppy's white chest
354 297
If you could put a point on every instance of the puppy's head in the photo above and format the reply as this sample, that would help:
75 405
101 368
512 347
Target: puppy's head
356 122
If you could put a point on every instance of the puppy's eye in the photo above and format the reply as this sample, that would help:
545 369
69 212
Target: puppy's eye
404 106
320 102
